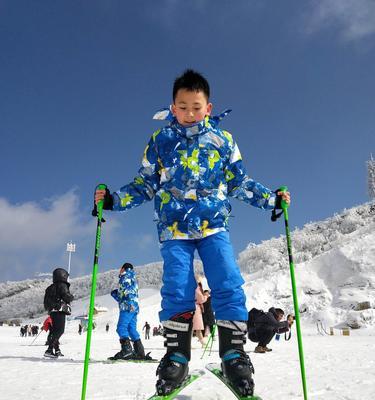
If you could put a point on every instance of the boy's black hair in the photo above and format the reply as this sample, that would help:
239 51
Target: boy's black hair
127 266
192 81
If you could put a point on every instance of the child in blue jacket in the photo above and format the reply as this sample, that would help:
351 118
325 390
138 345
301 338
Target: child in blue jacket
127 297
190 168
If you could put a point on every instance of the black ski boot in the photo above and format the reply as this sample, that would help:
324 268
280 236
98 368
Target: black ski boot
173 368
56 345
236 364
126 351
139 351
49 353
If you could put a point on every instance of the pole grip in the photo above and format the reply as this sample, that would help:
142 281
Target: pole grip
284 204
99 206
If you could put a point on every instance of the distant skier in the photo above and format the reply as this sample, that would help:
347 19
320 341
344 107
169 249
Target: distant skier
107 327
147 328
127 297
262 326
190 168
57 299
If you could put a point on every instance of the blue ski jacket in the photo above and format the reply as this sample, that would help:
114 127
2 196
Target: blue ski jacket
127 293
190 172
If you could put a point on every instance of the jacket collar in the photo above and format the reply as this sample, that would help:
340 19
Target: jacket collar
197 129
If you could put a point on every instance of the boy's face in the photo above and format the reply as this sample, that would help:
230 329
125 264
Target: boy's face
190 107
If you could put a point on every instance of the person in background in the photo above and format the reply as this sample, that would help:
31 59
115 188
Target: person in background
147 328
264 325
127 297
208 314
198 325
57 299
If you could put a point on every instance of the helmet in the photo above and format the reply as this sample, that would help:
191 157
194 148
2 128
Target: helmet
60 275
127 265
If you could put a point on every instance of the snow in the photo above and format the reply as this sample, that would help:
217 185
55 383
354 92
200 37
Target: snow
337 367
335 277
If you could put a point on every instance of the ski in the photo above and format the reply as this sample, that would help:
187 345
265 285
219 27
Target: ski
215 369
189 379
130 360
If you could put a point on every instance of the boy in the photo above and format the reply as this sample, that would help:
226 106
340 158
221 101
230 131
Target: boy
127 297
190 167
57 301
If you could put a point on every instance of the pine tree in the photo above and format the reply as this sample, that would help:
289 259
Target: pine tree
371 178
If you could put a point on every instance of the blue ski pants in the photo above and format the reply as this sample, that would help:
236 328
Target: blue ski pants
127 325
221 270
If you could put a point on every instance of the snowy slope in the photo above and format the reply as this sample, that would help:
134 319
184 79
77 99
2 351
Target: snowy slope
335 285
337 367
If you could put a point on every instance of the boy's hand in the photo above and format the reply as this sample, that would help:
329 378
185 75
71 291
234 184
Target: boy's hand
284 196
99 195
290 320
106 197
281 195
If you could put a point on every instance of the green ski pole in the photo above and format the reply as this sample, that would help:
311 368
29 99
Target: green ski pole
284 207
93 290
209 342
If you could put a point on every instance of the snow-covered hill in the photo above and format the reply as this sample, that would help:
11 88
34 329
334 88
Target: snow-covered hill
334 265
335 270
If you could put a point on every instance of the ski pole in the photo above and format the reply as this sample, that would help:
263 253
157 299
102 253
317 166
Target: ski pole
209 342
212 338
36 337
93 290
284 207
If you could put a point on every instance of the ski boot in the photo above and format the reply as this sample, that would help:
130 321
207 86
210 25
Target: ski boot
56 346
236 365
58 353
126 351
139 350
49 353
173 368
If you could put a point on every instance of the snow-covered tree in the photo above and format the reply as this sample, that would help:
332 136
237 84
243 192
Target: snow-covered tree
371 178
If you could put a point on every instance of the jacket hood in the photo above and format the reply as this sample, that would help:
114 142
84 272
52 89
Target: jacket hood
60 275
196 129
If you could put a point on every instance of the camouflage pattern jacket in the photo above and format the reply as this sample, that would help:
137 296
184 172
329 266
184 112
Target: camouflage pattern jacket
190 172
127 293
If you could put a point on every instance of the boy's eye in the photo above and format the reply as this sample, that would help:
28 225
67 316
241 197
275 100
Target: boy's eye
182 108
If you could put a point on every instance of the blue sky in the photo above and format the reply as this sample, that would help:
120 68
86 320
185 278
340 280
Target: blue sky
81 80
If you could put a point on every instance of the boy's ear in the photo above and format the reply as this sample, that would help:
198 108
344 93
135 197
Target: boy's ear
209 108
173 109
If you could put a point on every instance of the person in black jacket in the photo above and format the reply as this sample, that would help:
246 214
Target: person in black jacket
57 301
264 325
208 314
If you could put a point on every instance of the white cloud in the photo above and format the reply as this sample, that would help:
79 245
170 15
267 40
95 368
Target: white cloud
33 236
354 19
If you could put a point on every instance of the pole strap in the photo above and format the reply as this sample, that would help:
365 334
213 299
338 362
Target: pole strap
275 216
